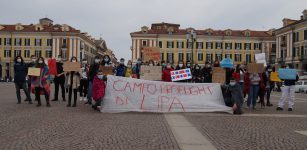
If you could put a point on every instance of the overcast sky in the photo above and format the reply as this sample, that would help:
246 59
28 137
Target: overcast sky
115 19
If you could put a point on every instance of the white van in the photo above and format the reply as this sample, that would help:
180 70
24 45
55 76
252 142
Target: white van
300 86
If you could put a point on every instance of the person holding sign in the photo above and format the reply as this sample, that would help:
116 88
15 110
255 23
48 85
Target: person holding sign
92 73
254 79
41 84
84 80
30 65
59 79
166 74
180 66
20 72
288 91
73 83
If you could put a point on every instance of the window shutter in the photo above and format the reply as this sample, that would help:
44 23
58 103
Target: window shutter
40 42
15 41
4 41
10 41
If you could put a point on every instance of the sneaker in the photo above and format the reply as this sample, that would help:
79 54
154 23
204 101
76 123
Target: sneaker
290 109
279 108
269 105
81 98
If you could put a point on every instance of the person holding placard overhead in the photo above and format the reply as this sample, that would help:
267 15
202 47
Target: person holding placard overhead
288 91
41 84
20 71
73 83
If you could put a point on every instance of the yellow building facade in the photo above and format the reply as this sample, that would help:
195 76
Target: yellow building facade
209 45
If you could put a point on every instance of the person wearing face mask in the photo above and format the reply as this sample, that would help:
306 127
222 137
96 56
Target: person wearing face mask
73 83
197 76
269 85
163 64
128 72
98 90
151 63
30 65
92 73
120 70
20 73
59 79
84 80
41 84
166 74
106 60
254 80
236 96
207 73
136 69
179 67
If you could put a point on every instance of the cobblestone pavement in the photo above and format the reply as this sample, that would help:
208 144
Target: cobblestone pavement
25 126
265 129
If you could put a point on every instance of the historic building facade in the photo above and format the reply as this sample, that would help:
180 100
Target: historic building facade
209 45
291 42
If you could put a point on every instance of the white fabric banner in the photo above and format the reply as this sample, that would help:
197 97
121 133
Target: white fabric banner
128 94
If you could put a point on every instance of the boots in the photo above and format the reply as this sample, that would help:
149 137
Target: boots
39 102
69 103
48 104
75 103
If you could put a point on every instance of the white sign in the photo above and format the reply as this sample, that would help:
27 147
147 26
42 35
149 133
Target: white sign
182 74
128 94
260 58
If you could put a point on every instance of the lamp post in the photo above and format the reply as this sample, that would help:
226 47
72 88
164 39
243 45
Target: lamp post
191 37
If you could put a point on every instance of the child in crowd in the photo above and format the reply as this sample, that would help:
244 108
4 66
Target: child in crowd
98 90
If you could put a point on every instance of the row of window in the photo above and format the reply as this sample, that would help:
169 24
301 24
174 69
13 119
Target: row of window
209 45
209 57
27 53
296 36
297 52
27 42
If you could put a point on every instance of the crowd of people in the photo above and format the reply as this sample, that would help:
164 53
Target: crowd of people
90 82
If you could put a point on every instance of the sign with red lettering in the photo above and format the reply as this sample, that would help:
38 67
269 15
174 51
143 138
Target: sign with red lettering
183 74
137 95
151 53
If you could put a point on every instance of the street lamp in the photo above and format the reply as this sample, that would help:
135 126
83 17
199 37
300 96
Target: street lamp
191 37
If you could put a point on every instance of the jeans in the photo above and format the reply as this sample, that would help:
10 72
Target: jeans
253 94
89 94
22 85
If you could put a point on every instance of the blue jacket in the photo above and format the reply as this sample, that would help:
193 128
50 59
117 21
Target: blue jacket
120 70
21 71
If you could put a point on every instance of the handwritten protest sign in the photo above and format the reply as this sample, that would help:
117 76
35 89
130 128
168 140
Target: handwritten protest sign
287 74
218 75
182 74
34 72
151 53
71 66
260 58
106 70
255 68
274 77
128 94
227 63
153 73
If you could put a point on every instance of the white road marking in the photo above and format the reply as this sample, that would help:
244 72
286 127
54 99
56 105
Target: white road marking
302 132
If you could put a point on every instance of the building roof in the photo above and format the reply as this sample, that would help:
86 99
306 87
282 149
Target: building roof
31 28
292 24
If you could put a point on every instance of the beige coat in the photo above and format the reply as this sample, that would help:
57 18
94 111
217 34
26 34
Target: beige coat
76 80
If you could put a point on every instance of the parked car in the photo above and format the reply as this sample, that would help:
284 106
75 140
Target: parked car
300 85
304 90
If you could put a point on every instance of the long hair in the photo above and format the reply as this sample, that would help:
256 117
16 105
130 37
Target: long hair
73 58
40 65
17 58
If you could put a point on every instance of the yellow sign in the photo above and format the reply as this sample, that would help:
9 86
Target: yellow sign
34 72
274 77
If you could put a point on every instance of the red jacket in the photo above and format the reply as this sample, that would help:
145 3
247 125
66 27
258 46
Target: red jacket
98 88
166 75
236 76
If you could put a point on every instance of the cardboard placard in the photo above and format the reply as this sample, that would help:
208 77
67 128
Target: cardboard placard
218 75
71 66
275 77
182 74
255 68
34 72
106 70
287 74
151 53
153 73
260 58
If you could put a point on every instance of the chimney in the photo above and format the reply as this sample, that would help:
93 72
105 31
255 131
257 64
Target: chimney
305 14
287 21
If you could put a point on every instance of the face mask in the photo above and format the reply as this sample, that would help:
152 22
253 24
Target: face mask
197 67
129 66
40 61
168 67
97 61
122 63
59 59
269 70
106 60
19 60
150 64
100 77
163 65
138 62
232 83
188 65
33 60
180 65
73 61
84 62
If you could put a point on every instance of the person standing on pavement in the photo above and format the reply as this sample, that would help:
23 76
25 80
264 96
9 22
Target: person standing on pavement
253 90
59 79
73 83
128 72
288 91
92 73
41 84
84 80
98 90
30 65
269 85
236 96
197 75
166 74
20 71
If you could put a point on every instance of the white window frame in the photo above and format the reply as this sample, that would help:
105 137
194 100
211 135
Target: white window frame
239 57
146 44
180 44
38 53
257 46
246 58
209 59
48 53
228 47
188 56
219 45
170 44
27 53
248 46
218 58
17 52
7 53
238 46
209 45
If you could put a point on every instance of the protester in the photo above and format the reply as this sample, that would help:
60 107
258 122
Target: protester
92 73
262 88
30 65
73 83
207 73
41 84
166 74
20 71
106 61
151 63
197 74
236 96
59 80
253 90
84 80
120 70
179 67
98 90
288 91
216 63
269 85
163 64
189 66
137 68
128 72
